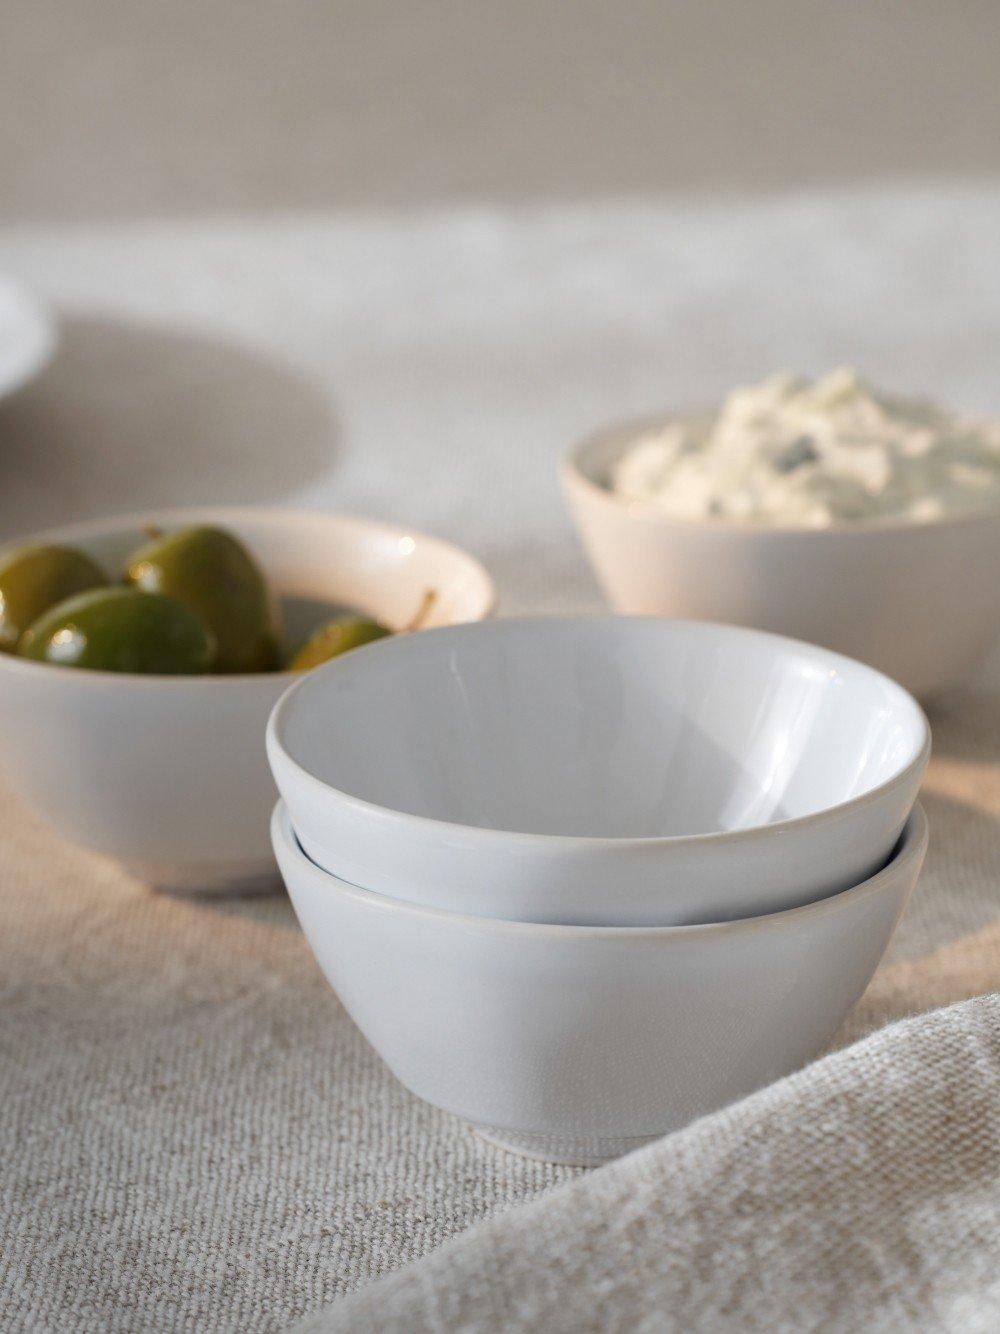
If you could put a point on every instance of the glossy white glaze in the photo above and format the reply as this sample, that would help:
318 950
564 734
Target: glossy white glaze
601 770
914 598
579 1043
168 774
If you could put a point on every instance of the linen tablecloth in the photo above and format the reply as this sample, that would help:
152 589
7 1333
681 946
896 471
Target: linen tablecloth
192 1133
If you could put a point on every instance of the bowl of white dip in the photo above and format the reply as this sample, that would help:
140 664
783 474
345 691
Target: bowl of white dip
824 510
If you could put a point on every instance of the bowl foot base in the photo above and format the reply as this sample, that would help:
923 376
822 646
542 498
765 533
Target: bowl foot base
209 881
567 1150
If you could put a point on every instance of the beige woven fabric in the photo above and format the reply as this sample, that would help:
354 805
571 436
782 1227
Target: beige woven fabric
863 1193
194 1135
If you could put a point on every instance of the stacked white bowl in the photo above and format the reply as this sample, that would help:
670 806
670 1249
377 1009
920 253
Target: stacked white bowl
582 880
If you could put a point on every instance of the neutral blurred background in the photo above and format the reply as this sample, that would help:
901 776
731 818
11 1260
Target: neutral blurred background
135 107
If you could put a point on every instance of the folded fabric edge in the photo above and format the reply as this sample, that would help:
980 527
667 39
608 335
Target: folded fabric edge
868 1182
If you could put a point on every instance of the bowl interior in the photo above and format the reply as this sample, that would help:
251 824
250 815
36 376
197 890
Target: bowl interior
594 458
318 561
615 727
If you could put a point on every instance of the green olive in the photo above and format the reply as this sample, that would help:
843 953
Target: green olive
121 630
213 574
35 578
335 637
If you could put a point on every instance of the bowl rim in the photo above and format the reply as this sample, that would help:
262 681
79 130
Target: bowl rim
575 477
372 811
910 847
266 515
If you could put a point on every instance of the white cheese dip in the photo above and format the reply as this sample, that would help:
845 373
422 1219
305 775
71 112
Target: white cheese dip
816 453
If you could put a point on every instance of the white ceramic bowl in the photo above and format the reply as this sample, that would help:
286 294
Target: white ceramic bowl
608 770
580 1043
902 595
167 774
27 335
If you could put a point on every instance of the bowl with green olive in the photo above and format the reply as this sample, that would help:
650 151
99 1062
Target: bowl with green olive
140 658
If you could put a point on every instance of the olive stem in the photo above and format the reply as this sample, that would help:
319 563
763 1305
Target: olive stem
423 611
152 532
